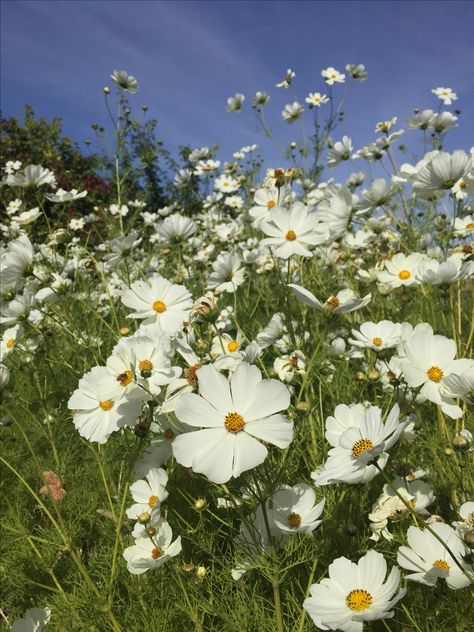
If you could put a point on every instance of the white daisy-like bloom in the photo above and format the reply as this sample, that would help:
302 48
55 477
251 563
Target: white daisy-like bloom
9 339
148 493
61 196
447 95
160 449
341 150
159 301
176 227
442 121
464 226
227 351
34 620
357 71
4 376
344 302
459 385
127 82
389 506
152 364
292 112
119 210
401 270
205 167
234 201
466 512
316 99
100 407
288 366
440 272
377 336
259 101
292 232
28 217
270 334
236 416
354 593
429 360
235 103
119 248
31 175
429 560
441 173
151 553
378 194
265 200
287 81
226 184
15 259
331 76
295 509
17 308
350 461
227 273
334 211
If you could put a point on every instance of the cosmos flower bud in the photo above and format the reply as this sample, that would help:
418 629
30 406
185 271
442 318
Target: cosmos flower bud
373 375
448 452
201 571
200 503
188 568
469 538
360 376
124 331
106 90
460 443
151 531
144 518
303 406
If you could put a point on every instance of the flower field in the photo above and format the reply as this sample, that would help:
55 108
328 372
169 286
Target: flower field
236 396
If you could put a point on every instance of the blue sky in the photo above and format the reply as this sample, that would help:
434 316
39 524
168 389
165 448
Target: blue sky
190 56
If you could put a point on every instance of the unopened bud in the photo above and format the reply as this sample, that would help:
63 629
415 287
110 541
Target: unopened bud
166 251
106 90
303 406
144 518
151 531
200 503
448 452
124 331
468 538
201 571
373 375
360 376
460 443
188 568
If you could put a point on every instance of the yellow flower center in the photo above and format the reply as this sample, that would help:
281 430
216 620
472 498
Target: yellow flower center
145 365
159 307
359 600
404 275
435 374
232 346
294 520
125 378
444 566
271 203
152 501
361 446
332 302
470 226
10 343
377 341
107 405
290 235
168 434
190 374
156 553
234 422
462 184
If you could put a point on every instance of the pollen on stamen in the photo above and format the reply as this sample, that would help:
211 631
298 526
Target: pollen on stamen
107 404
359 600
442 565
125 378
377 342
404 275
156 553
190 374
271 203
294 520
290 235
232 346
234 422
332 303
152 501
361 446
159 307
10 343
435 374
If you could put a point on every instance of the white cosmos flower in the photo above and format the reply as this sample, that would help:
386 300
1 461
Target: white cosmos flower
159 301
288 366
331 76
446 95
270 334
127 82
176 227
235 103
149 554
334 211
464 226
357 71
236 417
344 302
292 112
429 360
440 272
9 339
441 173
148 493
100 406
377 195
227 273
316 99
152 364
265 200
227 351
291 232
350 461
339 151
34 620
354 593
120 247
377 336
31 175
226 184
401 270
62 196
294 509
15 260
428 558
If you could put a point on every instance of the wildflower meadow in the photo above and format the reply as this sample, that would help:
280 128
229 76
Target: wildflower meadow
236 395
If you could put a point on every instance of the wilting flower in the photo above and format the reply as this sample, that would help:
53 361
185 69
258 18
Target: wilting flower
429 560
235 416
354 593
53 487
